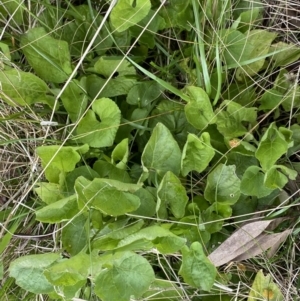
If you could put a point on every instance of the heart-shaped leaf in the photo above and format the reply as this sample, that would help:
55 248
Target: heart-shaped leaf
127 274
196 269
100 133
223 185
198 111
129 12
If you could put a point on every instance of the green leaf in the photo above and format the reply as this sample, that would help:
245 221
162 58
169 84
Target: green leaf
196 153
290 53
264 288
22 88
198 111
230 123
60 159
7 237
178 14
242 93
104 243
84 171
63 158
148 205
285 85
251 17
164 240
241 162
216 140
100 134
229 126
74 236
50 58
74 100
271 147
13 11
171 193
69 272
68 292
80 32
291 98
119 155
223 185
271 99
261 41
171 114
283 82
112 233
5 53
245 6
184 229
59 211
107 66
109 88
28 272
196 269
269 200
235 50
108 196
96 219
49 192
153 22
240 112
127 187
123 78
143 93
126 230
296 139
244 208
162 153
248 14
169 244
126 274
212 222
108 170
221 209
253 183
276 179
163 290
246 148
139 120
128 13
288 135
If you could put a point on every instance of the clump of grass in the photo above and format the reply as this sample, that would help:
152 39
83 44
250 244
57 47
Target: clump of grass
20 135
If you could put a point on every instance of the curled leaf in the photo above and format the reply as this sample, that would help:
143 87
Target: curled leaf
100 133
